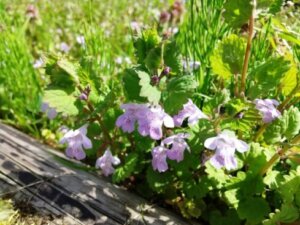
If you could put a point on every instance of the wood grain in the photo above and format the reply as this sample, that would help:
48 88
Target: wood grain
71 196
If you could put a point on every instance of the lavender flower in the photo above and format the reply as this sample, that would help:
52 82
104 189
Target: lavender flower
83 96
151 120
190 111
267 107
106 162
127 120
159 158
76 141
51 112
64 47
162 152
178 146
225 145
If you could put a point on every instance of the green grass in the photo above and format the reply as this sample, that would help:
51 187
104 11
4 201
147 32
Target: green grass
201 30
106 26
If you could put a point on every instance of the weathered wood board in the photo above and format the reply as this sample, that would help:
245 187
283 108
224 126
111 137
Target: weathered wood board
31 171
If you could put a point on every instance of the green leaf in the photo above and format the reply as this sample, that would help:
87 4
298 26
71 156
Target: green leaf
179 90
148 40
291 119
230 217
256 158
273 5
158 181
217 176
290 185
253 209
228 56
70 68
124 171
289 80
217 100
63 73
243 116
267 76
61 101
172 57
287 214
147 90
153 59
191 208
132 87
237 12
273 179
286 127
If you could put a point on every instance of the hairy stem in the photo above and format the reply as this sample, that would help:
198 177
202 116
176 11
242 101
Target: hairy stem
248 50
288 98
260 132
99 119
236 85
278 154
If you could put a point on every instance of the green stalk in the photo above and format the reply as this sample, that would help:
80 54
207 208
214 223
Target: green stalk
289 98
278 154
248 51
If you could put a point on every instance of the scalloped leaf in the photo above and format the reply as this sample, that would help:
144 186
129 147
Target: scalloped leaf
227 58
147 90
61 101
237 12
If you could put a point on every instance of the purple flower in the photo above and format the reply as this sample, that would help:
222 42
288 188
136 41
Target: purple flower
159 158
267 107
51 112
151 120
190 111
106 162
64 47
225 145
129 118
178 146
162 152
76 141
83 96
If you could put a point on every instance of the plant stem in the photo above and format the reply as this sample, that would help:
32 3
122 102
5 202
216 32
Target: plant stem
278 154
288 98
260 132
248 51
99 119
236 85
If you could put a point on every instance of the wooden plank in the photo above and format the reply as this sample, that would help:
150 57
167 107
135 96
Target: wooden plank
31 202
92 191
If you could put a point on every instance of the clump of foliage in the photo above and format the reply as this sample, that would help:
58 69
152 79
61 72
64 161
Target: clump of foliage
217 139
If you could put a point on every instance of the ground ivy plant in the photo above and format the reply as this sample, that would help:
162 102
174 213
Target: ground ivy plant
230 157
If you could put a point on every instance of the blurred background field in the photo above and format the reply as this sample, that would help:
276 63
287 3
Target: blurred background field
31 29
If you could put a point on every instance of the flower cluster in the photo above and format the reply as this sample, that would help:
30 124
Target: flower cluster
172 147
225 145
267 107
76 141
150 120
